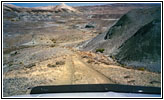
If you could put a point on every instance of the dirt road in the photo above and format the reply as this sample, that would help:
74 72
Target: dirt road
70 66
51 59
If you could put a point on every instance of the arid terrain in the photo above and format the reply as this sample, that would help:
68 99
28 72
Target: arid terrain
45 46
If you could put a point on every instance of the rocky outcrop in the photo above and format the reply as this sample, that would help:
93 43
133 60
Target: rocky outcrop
143 48
115 38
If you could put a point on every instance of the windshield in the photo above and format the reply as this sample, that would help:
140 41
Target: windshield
47 44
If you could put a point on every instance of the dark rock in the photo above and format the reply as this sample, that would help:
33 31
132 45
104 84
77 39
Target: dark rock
89 26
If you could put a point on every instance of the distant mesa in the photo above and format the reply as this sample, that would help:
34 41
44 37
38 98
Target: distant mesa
59 8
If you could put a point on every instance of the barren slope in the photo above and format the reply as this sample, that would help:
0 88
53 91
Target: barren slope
129 25
43 52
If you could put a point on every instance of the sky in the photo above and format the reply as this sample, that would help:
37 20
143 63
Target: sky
51 4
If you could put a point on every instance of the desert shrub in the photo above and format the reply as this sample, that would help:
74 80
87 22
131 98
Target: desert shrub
90 61
14 19
154 82
100 50
21 63
126 76
96 63
112 57
53 40
131 81
105 62
84 56
141 69
30 65
53 45
49 65
60 63
122 65
10 64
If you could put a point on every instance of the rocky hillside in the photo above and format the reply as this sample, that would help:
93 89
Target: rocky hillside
119 39
143 48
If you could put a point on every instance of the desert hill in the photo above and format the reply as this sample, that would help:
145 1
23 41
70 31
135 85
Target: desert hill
126 27
16 13
65 8
59 8
41 46
143 48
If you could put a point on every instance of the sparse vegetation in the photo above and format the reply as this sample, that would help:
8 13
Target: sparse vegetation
53 45
10 64
84 56
131 81
126 76
90 61
21 63
105 62
30 65
53 40
57 63
122 65
141 69
50 65
100 50
96 63
60 62
41 38
157 82
112 57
